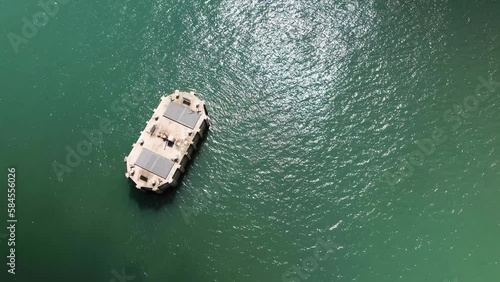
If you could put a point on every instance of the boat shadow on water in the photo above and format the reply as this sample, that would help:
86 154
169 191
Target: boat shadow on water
151 200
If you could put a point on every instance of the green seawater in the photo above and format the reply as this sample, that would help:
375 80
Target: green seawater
318 165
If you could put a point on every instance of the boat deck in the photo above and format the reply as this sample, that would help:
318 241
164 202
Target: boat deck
163 147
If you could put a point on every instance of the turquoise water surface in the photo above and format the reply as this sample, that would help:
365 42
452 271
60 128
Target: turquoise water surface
350 140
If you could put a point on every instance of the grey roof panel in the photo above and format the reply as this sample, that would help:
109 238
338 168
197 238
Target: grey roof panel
154 163
182 115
